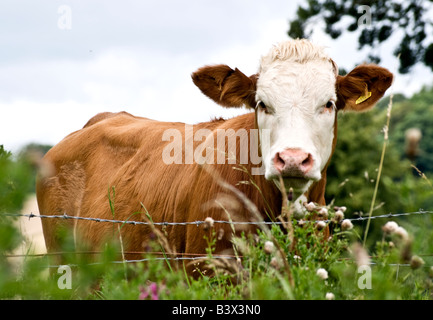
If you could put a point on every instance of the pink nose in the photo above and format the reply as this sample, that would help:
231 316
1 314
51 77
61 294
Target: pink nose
293 162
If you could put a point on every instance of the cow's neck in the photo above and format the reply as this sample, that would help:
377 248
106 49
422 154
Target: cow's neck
266 194
316 193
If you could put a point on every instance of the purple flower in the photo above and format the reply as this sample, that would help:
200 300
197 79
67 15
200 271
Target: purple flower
151 291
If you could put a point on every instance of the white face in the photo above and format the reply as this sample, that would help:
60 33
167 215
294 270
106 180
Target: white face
296 103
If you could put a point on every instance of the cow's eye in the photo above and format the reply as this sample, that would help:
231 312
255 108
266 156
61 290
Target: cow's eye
261 106
330 105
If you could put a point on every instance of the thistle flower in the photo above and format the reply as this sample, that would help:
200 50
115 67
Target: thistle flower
346 225
323 212
151 291
339 216
269 247
416 262
320 225
322 273
390 227
329 296
290 194
402 233
208 223
342 208
310 206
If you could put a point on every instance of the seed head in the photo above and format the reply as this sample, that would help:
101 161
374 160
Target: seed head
290 194
208 223
310 206
402 233
329 296
390 227
320 225
346 225
323 212
416 262
342 208
339 216
322 273
269 247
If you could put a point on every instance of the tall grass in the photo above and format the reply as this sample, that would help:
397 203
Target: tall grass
268 265
379 172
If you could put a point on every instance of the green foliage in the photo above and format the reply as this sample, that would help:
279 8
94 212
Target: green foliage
14 186
353 170
386 18
317 267
14 181
416 112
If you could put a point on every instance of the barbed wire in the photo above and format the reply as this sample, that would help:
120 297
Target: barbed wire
200 222
197 223
149 259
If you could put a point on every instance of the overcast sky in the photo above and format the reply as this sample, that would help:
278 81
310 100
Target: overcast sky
61 62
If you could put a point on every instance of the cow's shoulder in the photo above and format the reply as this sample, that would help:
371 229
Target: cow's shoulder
106 115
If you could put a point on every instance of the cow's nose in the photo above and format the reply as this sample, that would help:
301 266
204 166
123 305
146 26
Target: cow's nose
293 162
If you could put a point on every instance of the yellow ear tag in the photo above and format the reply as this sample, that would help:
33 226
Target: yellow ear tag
363 98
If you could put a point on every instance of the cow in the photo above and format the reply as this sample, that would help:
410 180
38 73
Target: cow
131 168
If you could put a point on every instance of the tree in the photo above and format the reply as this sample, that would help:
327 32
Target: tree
353 169
415 113
376 21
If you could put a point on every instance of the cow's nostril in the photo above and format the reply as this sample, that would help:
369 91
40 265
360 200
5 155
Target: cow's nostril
279 163
307 160
307 164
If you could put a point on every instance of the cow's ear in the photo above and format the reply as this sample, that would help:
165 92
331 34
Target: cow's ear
362 88
227 87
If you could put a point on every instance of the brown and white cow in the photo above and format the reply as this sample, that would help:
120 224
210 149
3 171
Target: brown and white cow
295 96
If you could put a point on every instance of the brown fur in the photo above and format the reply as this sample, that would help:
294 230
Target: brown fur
358 82
125 152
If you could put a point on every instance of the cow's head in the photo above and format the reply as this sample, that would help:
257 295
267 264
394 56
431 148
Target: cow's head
296 93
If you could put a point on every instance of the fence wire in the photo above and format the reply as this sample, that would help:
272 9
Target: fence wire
200 222
197 223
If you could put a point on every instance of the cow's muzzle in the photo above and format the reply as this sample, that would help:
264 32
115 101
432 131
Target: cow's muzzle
293 163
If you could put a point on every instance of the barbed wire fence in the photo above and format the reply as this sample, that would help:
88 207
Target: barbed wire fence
200 222
185 256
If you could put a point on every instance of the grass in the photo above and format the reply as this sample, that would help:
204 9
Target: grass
379 172
269 266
